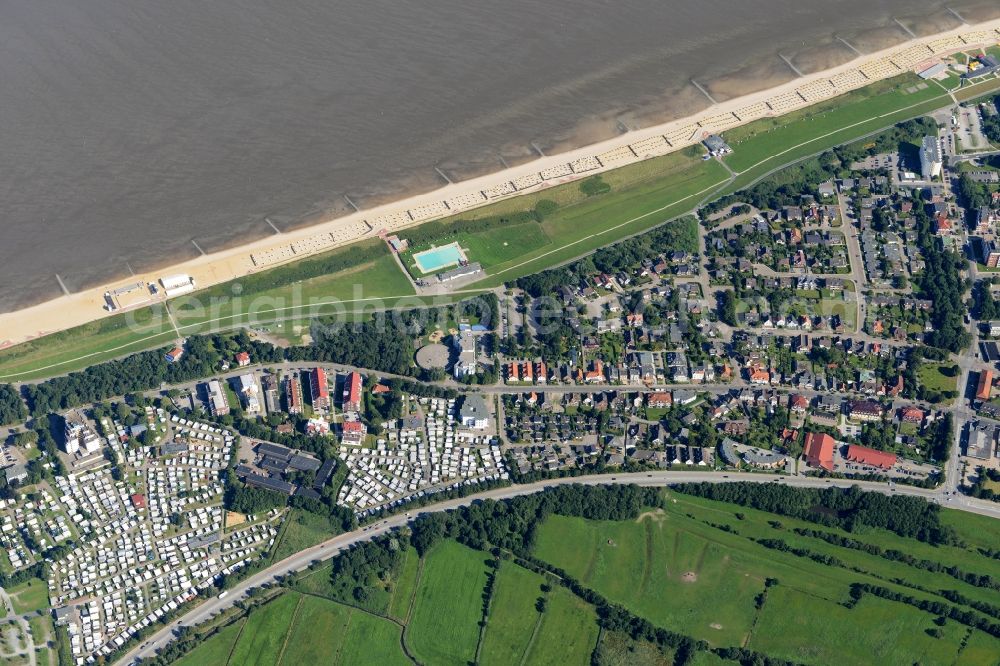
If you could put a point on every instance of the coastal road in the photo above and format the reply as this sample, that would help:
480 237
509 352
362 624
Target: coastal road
332 547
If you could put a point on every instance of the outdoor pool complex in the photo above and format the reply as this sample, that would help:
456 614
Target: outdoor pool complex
437 258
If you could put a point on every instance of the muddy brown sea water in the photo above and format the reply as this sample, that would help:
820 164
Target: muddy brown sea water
131 129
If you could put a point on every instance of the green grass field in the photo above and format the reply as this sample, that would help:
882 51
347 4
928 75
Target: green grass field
694 567
299 629
29 596
680 572
453 578
374 284
215 650
513 616
977 90
380 280
931 377
799 627
601 220
406 583
326 632
300 530
489 248
568 632
711 588
263 637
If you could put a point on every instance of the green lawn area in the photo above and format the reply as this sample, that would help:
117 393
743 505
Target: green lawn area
380 280
601 220
710 587
406 583
490 247
756 525
680 572
301 530
972 92
806 629
980 648
29 596
568 632
371 640
263 636
215 650
326 632
512 615
444 628
931 377
280 293
84 345
299 629
42 633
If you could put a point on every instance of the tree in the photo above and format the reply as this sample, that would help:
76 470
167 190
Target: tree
12 408
727 307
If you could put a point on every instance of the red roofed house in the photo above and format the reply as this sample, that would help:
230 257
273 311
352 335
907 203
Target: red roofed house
799 403
759 376
174 355
293 395
942 225
985 385
320 389
354 431
352 393
866 456
381 388
514 372
911 415
660 399
597 374
542 373
818 450
138 501
243 359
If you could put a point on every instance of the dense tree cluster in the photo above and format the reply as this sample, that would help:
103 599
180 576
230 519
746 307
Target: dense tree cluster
850 508
894 555
991 122
511 524
970 194
242 498
142 372
985 306
12 408
941 283
968 618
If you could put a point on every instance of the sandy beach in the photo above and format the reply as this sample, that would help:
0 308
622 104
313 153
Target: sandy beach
211 269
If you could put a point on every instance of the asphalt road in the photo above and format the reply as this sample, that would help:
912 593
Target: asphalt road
332 547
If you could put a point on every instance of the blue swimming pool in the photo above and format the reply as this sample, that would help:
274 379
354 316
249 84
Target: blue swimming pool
437 258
